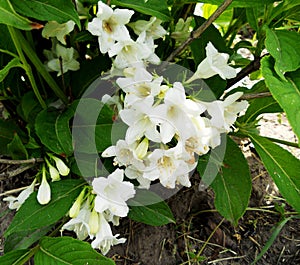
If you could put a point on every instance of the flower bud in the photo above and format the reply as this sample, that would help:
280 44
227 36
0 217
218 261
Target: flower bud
73 212
94 222
142 148
44 192
61 166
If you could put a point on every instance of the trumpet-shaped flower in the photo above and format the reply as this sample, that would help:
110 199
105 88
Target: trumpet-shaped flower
109 26
80 224
104 238
169 167
214 63
112 193
139 120
44 191
224 113
16 202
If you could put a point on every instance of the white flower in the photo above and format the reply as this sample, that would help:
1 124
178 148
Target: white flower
104 238
16 202
80 224
124 153
65 60
112 193
133 172
214 63
173 115
169 167
74 211
129 52
44 191
152 28
139 120
139 86
54 174
61 166
54 29
224 113
109 26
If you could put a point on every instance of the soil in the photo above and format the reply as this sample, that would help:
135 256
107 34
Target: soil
200 235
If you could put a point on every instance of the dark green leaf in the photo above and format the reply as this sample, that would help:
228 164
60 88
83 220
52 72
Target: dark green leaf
9 17
232 182
7 131
24 239
283 167
62 129
45 129
45 10
284 46
32 215
30 106
235 3
16 148
156 8
14 257
149 208
67 250
286 93
13 63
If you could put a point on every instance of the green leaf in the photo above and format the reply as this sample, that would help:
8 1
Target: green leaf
8 128
14 257
16 148
286 93
232 184
283 167
45 10
45 129
92 126
24 239
284 46
235 3
259 106
149 208
29 107
32 215
8 16
4 71
67 250
62 129
156 8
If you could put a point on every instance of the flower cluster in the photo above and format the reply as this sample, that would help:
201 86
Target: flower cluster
91 214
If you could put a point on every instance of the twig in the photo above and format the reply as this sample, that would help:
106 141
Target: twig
15 190
198 32
250 68
13 173
223 259
257 95
19 162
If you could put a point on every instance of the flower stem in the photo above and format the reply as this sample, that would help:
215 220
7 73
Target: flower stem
17 42
30 53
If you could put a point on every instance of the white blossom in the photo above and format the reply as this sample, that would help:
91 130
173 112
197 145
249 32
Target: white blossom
214 63
44 191
112 193
104 237
109 26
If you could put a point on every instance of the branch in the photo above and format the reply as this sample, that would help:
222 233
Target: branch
19 162
198 32
13 173
257 95
250 68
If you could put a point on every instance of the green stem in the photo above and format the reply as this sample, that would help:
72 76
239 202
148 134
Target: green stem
30 53
283 142
26 66
27 255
